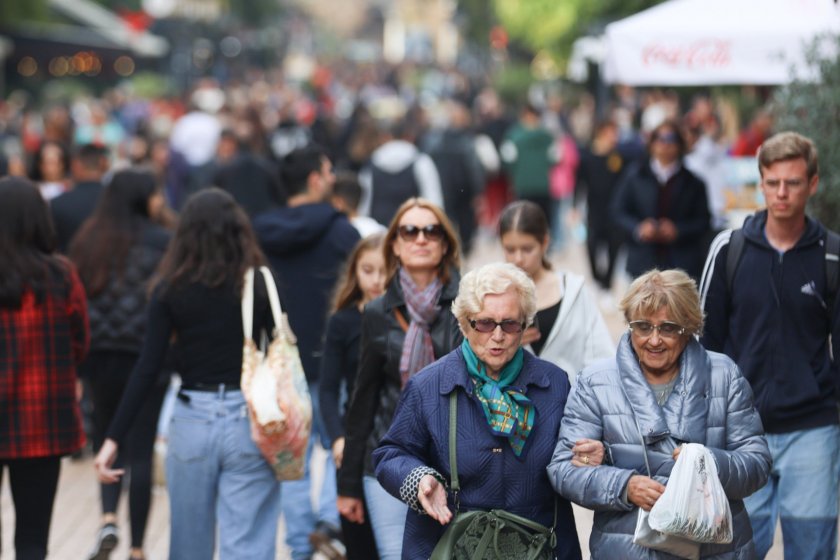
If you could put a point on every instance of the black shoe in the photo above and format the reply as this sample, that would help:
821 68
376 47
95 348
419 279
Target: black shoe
326 539
106 542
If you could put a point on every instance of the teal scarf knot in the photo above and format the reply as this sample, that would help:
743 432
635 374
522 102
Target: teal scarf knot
508 411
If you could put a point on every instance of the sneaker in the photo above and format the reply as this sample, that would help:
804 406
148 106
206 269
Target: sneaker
106 542
326 541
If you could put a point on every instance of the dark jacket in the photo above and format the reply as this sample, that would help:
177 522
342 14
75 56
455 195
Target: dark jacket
378 384
71 209
775 325
253 182
306 246
118 313
612 402
339 366
638 198
491 475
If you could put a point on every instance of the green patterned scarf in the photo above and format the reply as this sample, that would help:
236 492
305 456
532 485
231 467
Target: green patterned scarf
508 411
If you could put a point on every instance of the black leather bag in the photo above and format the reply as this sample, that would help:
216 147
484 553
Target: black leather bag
489 535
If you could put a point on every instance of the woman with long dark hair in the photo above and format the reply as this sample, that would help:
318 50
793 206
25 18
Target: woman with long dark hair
403 331
116 251
43 337
216 476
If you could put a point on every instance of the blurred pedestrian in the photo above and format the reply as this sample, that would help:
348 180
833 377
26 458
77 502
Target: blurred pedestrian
362 281
397 172
601 168
529 153
51 169
73 207
662 208
44 329
116 251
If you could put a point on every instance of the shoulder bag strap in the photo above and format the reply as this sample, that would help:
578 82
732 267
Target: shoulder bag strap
453 436
274 300
248 304
453 462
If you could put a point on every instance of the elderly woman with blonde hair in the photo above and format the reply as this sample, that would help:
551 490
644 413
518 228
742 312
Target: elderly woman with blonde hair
508 405
663 389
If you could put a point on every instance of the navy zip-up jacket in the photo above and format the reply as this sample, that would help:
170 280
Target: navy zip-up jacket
776 325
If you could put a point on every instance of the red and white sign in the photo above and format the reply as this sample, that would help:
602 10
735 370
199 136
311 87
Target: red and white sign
713 42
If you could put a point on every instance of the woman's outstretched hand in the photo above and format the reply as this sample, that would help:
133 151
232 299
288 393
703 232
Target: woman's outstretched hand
432 496
103 461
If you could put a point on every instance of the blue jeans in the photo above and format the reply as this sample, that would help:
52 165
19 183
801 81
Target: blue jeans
803 491
217 479
299 515
387 517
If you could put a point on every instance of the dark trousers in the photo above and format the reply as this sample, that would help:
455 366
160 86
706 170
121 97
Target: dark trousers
358 539
600 238
33 483
108 374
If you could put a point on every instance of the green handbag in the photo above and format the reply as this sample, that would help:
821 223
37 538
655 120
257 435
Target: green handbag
489 535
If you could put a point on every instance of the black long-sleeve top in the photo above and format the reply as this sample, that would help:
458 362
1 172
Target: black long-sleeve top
339 364
205 327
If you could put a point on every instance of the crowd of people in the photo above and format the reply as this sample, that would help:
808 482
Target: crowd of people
126 231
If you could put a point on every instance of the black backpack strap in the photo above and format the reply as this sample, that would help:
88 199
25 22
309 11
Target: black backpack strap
733 256
832 268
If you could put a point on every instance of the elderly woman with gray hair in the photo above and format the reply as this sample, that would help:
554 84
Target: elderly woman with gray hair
663 389
508 407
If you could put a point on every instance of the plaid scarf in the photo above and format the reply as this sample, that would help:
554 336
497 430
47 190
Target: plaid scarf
417 350
508 411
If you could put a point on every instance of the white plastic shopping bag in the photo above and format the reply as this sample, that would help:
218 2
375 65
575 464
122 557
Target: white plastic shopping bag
694 505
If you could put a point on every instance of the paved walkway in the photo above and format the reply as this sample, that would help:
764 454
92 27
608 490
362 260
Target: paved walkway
76 514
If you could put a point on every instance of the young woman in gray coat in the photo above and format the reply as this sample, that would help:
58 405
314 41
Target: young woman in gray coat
663 389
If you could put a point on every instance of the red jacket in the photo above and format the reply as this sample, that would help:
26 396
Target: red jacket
41 344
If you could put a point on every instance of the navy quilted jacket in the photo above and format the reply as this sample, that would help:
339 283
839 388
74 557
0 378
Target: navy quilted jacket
491 475
711 404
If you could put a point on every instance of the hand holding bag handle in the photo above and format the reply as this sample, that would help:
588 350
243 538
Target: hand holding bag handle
645 535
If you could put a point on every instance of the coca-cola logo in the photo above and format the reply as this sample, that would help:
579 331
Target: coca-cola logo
705 53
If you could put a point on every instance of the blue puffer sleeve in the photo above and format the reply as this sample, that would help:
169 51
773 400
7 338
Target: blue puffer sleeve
598 488
743 467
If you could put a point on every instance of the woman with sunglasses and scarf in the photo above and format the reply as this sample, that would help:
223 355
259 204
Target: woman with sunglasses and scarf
662 389
402 332
508 408
662 208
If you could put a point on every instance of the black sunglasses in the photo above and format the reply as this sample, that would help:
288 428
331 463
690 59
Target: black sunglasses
489 325
432 232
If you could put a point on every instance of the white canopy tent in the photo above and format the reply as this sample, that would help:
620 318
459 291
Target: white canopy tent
716 42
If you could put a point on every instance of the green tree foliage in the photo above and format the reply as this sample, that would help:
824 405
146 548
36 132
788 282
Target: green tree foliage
13 11
812 108
554 26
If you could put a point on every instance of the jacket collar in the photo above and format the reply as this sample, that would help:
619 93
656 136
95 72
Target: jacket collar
684 415
455 374
754 230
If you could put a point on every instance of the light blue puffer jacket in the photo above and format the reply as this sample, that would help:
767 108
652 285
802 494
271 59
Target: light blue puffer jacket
711 404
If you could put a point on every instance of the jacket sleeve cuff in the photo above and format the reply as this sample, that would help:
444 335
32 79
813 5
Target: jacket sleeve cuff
411 484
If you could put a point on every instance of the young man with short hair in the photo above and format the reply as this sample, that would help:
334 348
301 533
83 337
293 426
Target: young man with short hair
778 319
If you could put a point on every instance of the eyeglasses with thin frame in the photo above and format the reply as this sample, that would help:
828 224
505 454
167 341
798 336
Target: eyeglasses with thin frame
432 232
509 326
666 329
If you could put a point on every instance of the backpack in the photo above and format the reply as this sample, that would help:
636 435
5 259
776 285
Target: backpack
832 263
